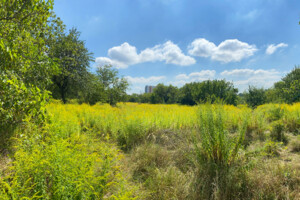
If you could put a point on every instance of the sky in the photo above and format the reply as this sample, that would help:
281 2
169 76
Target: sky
246 42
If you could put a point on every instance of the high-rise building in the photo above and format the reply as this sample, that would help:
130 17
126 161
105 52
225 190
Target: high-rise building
149 89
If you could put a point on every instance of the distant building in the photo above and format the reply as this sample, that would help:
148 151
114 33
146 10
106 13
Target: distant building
149 89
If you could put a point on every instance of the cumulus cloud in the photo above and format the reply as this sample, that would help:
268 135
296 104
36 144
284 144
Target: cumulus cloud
242 78
272 48
227 51
143 80
124 55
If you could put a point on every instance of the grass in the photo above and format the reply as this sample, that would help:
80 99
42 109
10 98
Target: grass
143 151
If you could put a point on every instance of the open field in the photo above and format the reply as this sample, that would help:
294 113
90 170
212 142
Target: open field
143 151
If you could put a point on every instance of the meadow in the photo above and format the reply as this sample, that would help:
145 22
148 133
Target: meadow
144 151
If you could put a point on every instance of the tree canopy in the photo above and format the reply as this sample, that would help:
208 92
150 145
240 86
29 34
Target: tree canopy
73 60
25 68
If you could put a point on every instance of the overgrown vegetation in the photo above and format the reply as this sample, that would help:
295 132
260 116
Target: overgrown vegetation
132 151
155 152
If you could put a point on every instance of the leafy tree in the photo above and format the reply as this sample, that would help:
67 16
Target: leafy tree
114 87
186 97
73 59
164 94
255 96
145 98
94 91
289 87
25 68
134 98
210 90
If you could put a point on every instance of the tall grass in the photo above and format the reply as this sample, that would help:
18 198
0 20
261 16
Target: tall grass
215 153
167 151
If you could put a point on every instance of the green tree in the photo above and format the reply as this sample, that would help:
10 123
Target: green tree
165 94
94 91
73 59
255 96
114 87
25 68
289 87
208 91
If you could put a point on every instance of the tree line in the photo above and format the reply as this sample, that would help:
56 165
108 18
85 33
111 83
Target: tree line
285 91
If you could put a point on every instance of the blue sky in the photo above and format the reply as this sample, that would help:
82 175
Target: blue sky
248 42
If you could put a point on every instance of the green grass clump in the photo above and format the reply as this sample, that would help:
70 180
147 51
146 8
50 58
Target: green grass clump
215 153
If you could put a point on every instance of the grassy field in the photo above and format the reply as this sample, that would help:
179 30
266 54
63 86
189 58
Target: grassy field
142 151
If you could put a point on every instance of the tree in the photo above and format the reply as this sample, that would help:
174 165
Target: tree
289 87
25 68
94 91
255 96
209 91
164 94
114 87
186 97
73 59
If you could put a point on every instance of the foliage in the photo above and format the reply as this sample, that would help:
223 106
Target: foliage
191 93
255 96
81 146
50 164
164 94
289 87
209 91
114 87
73 60
26 69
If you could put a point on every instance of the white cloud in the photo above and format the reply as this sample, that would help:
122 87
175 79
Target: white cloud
143 80
125 55
203 75
272 48
250 72
227 51
242 78
197 76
